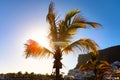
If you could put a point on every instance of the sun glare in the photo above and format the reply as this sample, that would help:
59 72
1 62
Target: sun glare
39 35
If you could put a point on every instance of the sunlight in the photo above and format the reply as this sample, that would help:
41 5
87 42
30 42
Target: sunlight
39 35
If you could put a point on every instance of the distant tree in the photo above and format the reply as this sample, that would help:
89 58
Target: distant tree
32 75
61 33
19 74
99 67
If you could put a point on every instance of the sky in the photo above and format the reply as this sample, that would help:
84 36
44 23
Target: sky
21 20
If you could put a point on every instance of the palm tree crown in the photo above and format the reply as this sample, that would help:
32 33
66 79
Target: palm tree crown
60 34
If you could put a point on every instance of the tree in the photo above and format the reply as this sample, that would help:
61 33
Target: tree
60 35
99 67
19 74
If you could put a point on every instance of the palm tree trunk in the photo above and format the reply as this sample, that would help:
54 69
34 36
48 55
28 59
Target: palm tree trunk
57 71
95 72
57 66
57 63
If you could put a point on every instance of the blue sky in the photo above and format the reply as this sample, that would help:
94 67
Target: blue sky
21 20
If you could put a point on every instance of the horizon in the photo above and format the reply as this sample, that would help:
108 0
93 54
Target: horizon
22 20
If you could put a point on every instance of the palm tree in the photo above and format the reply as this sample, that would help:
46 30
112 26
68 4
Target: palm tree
98 66
60 34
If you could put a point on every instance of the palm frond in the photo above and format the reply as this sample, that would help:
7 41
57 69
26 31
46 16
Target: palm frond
65 24
51 18
93 56
80 20
52 34
82 67
35 50
92 24
72 29
83 44
67 31
102 64
70 14
51 14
